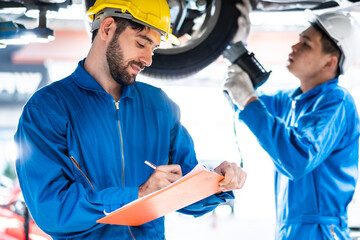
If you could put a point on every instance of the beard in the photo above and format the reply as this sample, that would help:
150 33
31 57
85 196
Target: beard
117 65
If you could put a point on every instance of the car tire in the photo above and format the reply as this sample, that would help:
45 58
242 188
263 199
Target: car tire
181 61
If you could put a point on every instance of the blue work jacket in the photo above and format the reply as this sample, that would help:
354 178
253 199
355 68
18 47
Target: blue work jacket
82 154
313 140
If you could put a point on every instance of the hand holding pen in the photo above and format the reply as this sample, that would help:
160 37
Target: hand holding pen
235 176
162 176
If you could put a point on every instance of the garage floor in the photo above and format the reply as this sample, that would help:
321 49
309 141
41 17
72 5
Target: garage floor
221 225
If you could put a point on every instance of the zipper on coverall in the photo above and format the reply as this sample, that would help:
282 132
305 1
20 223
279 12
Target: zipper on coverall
293 107
122 150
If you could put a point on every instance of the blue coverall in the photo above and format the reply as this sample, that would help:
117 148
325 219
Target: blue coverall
313 141
82 154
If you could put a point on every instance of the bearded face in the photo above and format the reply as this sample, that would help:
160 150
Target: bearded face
118 66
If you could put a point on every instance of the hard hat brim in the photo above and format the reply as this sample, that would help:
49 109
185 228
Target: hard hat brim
171 39
112 12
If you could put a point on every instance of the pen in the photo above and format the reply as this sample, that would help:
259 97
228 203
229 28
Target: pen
153 166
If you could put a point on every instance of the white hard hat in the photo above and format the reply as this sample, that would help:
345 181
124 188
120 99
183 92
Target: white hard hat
343 29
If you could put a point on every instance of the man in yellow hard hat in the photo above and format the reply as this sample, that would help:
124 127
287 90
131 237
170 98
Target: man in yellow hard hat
83 140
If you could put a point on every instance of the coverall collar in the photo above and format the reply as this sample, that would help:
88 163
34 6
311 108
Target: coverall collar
298 95
84 80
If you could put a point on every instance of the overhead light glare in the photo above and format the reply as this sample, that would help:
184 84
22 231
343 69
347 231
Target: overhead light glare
16 34
16 41
13 10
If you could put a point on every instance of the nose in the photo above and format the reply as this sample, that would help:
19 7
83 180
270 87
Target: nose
295 47
146 57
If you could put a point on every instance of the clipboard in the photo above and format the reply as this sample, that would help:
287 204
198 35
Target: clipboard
198 184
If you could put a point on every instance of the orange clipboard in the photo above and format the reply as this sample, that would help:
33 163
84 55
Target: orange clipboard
198 184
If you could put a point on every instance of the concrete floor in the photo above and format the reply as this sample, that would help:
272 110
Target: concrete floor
218 226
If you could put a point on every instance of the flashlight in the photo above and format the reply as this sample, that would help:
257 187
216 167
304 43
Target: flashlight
238 54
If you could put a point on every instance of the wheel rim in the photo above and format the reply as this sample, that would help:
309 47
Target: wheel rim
203 27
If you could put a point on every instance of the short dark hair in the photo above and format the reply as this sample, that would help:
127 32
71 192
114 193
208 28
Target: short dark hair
328 45
121 25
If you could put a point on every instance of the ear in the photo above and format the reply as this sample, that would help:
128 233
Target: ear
107 28
331 64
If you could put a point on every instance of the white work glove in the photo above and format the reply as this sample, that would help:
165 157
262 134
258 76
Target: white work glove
239 86
244 23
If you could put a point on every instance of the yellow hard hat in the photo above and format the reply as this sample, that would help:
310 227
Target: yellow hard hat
151 13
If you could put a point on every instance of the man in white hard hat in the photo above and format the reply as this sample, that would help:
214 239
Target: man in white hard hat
311 133
83 140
